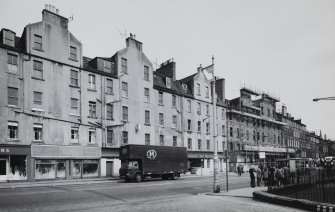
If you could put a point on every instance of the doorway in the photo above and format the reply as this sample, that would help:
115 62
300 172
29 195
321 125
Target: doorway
109 168
3 169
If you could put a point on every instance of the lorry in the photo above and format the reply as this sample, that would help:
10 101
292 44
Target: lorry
141 161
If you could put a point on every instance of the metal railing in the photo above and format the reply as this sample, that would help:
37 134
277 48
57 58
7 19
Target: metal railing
312 184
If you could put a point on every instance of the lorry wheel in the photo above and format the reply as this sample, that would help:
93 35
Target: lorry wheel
138 178
175 176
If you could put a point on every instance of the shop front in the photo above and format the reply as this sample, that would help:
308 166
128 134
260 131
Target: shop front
65 162
13 162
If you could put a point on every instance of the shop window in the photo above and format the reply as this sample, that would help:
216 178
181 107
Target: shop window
77 169
45 170
60 169
18 167
90 169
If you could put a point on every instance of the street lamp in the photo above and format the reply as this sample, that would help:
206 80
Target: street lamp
216 186
324 98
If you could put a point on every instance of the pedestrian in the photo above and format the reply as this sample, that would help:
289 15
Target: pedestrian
252 177
271 177
279 174
239 170
259 176
265 175
286 175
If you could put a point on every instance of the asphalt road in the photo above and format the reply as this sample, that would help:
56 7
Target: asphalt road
114 193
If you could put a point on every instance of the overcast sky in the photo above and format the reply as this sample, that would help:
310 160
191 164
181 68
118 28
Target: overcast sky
286 47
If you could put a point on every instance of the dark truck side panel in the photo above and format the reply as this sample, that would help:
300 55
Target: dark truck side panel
155 160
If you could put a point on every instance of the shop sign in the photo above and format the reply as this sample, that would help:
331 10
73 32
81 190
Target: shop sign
4 150
14 150
262 155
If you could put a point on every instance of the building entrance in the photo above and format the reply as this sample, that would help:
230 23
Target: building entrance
3 169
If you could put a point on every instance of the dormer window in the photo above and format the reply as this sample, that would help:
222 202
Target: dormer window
37 42
73 53
168 82
8 38
107 64
184 87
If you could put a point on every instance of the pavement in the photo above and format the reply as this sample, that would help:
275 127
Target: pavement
241 192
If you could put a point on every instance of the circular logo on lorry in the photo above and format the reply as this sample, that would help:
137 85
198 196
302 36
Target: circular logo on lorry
151 154
124 151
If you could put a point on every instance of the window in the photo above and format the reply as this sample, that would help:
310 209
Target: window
160 98
207 92
146 73
161 140
198 89
9 38
269 114
223 114
189 106
147 139
257 136
38 132
92 109
13 129
146 94
161 119
37 98
107 64
124 89
110 136
91 81
74 134
74 103
124 113
247 135
174 121
147 117
74 78
208 163
199 144
174 100
189 123
174 138
254 136
207 144
109 111
189 143
237 133
91 136
199 126
124 66
223 129
12 59
231 132
73 53
207 110
38 42
207 128
109 86
199 108
263 137
38 69
13 96
125 137
168 82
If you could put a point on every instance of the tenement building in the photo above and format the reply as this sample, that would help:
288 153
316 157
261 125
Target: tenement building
254 129
64 116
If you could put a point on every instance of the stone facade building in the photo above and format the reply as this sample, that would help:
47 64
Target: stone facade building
254 129
64 116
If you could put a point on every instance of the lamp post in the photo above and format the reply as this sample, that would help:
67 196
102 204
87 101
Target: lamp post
216 186
324 98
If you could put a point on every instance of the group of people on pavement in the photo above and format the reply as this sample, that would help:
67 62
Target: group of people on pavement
270 175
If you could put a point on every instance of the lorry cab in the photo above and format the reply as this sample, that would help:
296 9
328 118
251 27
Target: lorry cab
129 169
